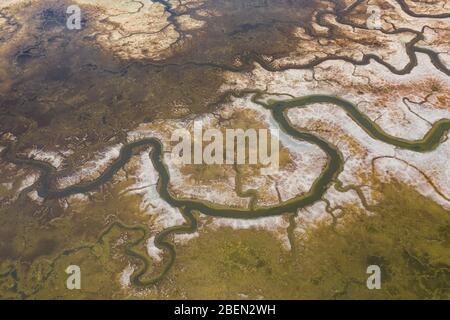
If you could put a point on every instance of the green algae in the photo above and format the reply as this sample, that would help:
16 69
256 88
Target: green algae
407 236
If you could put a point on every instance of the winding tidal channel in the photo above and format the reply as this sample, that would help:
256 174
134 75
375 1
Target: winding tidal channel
279 109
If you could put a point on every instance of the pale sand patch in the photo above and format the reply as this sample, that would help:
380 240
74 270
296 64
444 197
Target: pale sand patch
52 157
92 169
125 276
146 180
154 252
359 149
278 225
137 30
363 86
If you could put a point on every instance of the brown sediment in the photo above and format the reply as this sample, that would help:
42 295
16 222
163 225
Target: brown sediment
105 95
67 90
64 89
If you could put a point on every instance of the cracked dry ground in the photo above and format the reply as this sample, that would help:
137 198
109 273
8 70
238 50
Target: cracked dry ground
71 102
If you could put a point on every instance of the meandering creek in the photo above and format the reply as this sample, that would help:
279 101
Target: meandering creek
279 109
